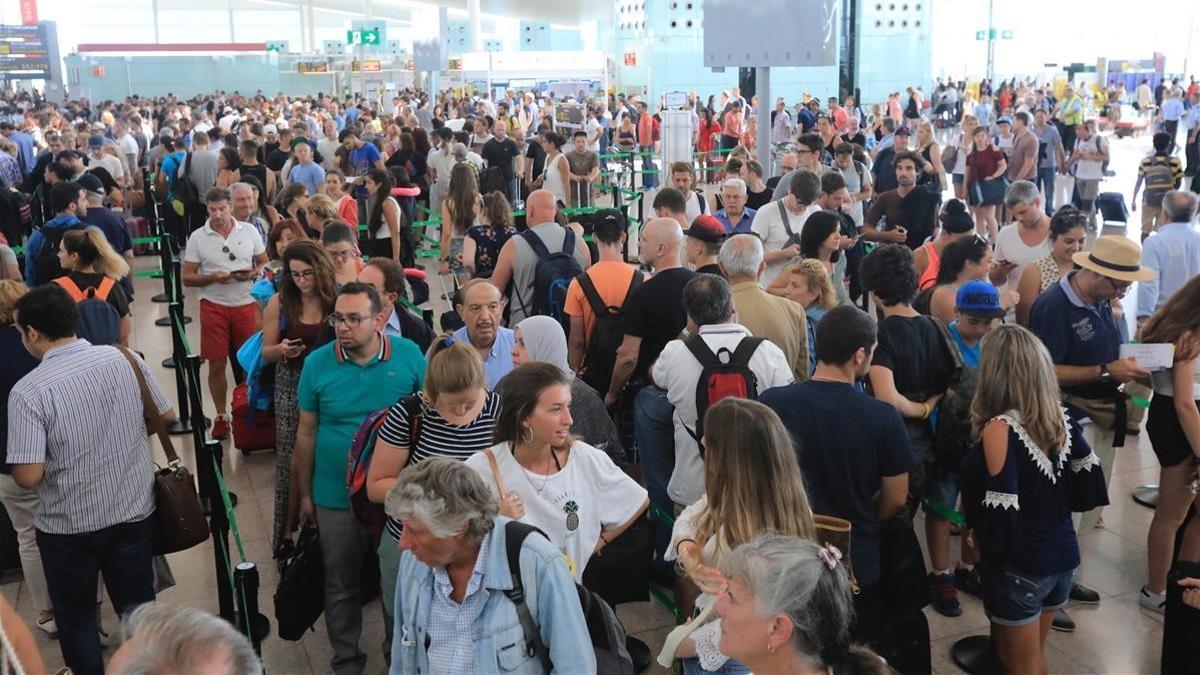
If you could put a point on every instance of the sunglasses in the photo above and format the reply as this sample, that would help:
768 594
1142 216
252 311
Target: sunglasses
225 249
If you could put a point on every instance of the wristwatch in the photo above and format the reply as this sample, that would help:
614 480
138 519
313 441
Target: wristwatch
1105 376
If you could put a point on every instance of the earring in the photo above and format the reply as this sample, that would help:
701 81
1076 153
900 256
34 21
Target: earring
770 648
529 440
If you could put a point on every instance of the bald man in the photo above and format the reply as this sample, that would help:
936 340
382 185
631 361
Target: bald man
517 262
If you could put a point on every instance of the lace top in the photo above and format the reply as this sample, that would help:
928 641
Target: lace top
1049 269
1022 516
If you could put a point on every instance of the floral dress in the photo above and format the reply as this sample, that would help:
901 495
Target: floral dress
488 242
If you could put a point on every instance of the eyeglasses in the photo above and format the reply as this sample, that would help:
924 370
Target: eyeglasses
341 255
351 320
232 257
303 274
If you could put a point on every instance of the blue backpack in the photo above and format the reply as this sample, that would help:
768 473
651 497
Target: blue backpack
551 278
98 322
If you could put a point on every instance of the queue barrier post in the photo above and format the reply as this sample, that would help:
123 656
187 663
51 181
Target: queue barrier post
164 242
183 422
175 272
249 621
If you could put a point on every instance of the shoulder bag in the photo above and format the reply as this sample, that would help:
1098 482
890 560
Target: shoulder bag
179 522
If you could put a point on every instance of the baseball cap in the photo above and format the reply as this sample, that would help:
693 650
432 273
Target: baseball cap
166 133
96 142
706 228
270 129
284 125
902 130
978 298
90 183
98 125
1004 119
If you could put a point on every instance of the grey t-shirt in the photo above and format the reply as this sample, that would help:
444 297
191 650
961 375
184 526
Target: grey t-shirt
1048 142
7 257
203 171
552 235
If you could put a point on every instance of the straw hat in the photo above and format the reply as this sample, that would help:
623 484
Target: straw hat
1115 257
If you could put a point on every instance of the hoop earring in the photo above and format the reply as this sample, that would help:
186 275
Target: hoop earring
529 440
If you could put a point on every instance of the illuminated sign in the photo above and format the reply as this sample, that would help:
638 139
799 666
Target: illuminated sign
24 52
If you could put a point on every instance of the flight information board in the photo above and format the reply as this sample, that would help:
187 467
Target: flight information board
24 52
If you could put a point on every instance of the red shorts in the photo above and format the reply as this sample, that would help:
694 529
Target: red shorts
224 329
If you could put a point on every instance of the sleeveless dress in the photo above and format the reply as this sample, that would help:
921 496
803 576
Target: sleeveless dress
287 418
1049 271
929 276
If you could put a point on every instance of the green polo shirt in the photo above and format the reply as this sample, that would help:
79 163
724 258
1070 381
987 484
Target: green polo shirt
342 393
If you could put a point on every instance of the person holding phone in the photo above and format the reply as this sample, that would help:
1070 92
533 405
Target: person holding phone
292 327
222 259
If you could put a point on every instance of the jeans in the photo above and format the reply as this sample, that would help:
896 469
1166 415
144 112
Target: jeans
1014 598
1191 150
1045 181
389 567
654 434
649 180
123 554
344 545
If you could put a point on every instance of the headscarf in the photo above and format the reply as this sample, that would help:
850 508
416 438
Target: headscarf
545 341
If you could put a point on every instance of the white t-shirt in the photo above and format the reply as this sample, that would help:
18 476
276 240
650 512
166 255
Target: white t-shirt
111 164
205 246
573 505
769 226
442 163
678 371
1089 169
592 127
328 148
1010 247
694 205
128 145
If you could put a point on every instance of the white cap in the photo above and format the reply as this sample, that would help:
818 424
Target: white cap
284 125
270 129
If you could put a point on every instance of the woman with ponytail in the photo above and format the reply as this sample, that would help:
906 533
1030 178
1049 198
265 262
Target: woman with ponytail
788 608
91 263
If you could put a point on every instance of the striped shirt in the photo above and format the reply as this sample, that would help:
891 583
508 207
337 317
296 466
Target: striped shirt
451 647
80 413
438 438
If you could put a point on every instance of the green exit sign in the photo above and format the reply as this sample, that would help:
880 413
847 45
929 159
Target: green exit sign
992 34
362 37
1006 35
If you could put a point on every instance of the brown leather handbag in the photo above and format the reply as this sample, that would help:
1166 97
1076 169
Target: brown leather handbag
179 522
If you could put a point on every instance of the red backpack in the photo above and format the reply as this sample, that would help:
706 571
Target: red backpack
723 374
362 450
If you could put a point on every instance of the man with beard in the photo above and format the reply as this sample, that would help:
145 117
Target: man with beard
904 215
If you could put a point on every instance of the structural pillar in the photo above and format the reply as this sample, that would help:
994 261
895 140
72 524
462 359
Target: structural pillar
229 12
476 25
154 14
368 13
762 86
312 26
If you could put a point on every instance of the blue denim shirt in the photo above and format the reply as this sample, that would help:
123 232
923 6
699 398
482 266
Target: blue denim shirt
499 641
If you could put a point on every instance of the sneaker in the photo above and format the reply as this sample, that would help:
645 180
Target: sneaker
220 428
945 598
50 628
967 581
1063 623
1155 602
1084 595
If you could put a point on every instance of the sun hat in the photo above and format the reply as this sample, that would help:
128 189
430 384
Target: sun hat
1114 257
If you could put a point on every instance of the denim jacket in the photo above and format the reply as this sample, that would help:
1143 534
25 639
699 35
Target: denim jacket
499 641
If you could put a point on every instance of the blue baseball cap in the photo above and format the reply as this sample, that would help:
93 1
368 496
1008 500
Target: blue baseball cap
979 298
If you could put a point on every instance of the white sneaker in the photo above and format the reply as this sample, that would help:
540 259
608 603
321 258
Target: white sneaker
48 627
1155 602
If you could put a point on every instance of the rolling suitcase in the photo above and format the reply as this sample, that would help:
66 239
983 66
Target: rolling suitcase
252 429
139 226
1111 207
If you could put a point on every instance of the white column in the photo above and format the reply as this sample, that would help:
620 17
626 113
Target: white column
229 11
476 25
154 13
312 26
762 86
367 12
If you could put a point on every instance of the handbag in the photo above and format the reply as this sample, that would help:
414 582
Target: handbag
834 531
179 521
300 596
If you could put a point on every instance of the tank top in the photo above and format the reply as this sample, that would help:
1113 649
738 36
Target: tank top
553 179
1049 271
1163 382
306 332
929 276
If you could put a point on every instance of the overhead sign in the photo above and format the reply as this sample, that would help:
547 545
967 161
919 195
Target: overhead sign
312 66
278 46
29 15
24 52
992 34
786 33
365 37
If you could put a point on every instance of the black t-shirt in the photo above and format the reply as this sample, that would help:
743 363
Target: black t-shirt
654 312
17 363
756 200
277 158
537 155
268 148
709 269
501 153
915 351
844 462
257 170
116 297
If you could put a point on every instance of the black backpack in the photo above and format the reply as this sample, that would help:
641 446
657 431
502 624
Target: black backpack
954 434
722 375
98 321
608 332
605 629
885 173
48 266
551 278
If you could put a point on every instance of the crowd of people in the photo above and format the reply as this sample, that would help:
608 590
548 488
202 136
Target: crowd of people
890 318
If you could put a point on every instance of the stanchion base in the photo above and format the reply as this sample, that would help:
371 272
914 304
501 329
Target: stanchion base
161 297
261 627
168 362
180 427
166 321
155 274
1146 495
974 655
204 503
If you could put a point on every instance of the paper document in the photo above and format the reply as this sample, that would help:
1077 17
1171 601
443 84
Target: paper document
1150 356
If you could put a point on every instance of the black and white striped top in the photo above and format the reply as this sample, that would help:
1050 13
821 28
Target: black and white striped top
80 413
438 438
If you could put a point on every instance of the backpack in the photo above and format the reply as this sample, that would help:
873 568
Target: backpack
604 627
700 200
885 173
607 333
98 322
1160 179
721 378
184 193
48 266
362 450
952 435
793 238
950 157
552 277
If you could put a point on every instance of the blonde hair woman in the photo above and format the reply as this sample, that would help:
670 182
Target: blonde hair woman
929 174
1020 483
320 209
807 283
91 263
744 441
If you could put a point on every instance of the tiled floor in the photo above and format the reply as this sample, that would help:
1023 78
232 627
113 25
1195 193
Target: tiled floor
1114 638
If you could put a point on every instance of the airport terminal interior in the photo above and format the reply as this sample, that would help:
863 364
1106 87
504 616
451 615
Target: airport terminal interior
632 336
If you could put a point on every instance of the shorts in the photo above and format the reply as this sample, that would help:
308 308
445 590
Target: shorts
1013 598
941 485
224 329
957 178
1166 435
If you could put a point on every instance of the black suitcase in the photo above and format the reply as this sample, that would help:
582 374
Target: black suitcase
1111 206
904 643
